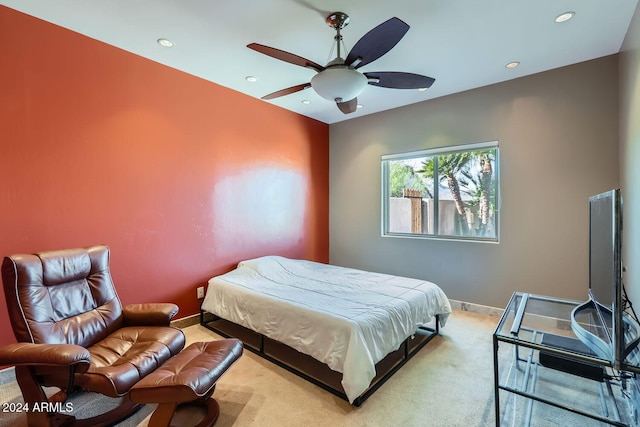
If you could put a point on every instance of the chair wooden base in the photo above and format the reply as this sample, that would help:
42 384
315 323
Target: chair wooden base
163 415
34 396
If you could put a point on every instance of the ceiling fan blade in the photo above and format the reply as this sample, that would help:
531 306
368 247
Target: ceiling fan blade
287 91
399 80
349 106
377 42
285 56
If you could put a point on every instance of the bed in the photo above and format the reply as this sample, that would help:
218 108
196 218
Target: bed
347 319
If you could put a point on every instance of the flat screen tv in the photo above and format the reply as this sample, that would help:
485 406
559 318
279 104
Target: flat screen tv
605 266
601 322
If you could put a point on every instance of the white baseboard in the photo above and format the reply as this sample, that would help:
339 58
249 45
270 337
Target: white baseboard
183 322
476 308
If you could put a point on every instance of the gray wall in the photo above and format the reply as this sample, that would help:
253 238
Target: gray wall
630 154
558 134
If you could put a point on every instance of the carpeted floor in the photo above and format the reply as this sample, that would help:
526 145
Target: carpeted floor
449 383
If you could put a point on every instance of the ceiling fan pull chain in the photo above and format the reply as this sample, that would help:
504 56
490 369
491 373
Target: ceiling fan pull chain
330 57
344 47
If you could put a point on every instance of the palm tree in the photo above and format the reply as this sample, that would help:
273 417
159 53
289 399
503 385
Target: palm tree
449 166
486 176
479 187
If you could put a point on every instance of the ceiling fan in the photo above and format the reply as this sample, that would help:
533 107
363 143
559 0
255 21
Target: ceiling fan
340 81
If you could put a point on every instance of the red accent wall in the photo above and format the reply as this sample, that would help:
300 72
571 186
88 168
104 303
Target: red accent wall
180 177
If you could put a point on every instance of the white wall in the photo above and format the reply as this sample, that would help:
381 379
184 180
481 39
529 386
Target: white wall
630 154
558 134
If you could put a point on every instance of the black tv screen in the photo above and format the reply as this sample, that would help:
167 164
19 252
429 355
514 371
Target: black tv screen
605 265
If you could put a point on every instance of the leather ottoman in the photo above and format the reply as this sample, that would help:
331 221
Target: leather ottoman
189 378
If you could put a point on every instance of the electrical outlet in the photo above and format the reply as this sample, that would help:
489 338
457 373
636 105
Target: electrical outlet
200 292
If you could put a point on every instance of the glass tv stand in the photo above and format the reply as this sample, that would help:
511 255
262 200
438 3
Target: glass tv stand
545 376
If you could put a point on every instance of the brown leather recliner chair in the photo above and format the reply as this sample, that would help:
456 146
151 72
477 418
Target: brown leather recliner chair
73 332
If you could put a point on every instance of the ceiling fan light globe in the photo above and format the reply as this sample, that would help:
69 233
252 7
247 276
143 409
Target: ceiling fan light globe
339 82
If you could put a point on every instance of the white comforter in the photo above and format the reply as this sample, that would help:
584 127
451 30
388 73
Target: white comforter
349 319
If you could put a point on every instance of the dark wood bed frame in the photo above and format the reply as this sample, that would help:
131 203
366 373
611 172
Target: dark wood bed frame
311 369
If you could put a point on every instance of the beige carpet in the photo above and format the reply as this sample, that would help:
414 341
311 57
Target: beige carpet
448 383
454 367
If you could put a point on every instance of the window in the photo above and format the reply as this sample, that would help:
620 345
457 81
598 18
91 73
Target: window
449 193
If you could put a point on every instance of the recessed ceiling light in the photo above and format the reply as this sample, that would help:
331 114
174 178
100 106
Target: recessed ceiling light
565 17
513 64
251 79
306 102
165 42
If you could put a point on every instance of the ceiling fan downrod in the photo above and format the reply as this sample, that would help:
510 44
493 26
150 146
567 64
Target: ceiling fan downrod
337 21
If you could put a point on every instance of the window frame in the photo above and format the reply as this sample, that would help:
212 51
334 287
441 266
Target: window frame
434 152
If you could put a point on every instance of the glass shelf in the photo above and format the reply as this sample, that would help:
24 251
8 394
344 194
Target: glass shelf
543 371
528 313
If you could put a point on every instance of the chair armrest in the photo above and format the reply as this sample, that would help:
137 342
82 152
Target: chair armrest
157 314
45 354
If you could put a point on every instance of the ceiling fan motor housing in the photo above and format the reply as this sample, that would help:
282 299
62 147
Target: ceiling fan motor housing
339 83
338 20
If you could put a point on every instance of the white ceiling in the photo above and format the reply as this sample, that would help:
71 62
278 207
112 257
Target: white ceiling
463 44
